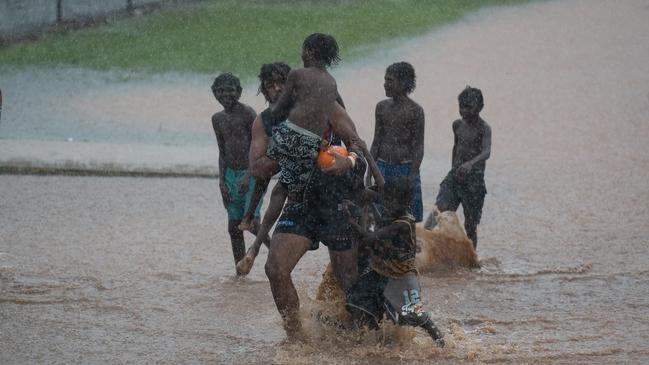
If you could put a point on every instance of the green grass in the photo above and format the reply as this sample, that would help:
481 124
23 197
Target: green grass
238 36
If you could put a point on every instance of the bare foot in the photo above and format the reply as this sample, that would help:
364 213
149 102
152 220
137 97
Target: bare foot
245 265
245 225
295 334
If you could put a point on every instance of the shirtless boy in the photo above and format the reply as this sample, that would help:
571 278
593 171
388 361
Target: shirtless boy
398 145
465 184
232 128
310 99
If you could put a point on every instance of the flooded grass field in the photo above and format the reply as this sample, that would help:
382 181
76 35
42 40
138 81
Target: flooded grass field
139 270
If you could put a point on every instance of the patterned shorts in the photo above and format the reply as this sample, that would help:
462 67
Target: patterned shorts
295 150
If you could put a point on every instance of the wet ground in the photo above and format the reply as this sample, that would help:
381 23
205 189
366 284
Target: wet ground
137 270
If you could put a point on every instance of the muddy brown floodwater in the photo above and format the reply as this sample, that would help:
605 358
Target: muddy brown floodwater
137 270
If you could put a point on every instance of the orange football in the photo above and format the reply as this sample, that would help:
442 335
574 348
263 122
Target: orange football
326 160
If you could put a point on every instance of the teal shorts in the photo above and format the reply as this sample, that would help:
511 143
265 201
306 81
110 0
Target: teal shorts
239 203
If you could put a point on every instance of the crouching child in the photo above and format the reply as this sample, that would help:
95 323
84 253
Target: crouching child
387 282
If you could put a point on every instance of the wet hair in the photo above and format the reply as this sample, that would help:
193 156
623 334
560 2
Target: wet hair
399 189
324 48
277 71
471 96
405 73
224 79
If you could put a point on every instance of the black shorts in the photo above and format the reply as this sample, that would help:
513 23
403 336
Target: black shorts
319 215
469 192
333 230
365 300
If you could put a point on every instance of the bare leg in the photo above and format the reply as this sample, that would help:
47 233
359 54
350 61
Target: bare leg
254 228
286 250
431 221
277 199
471 219
471 232
236 238
247 223
345 266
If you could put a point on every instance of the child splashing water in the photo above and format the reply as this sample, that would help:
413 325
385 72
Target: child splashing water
387 282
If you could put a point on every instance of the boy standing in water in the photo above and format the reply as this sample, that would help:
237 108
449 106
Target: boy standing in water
465 184
387 280
398 145
232 128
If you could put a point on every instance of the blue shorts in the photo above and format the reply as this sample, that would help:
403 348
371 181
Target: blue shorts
393 171
238 203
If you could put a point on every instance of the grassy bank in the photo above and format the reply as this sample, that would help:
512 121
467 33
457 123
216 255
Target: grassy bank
238 35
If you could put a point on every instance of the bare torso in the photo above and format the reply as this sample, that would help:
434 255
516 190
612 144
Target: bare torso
314 93
398 131
469 142
233 133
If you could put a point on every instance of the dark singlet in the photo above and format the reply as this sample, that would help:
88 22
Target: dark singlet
399 259
269 122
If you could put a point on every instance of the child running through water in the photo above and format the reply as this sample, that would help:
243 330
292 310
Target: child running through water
465 184
232 128
387 282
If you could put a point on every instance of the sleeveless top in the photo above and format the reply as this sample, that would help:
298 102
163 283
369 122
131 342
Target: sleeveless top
398 256
269 122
